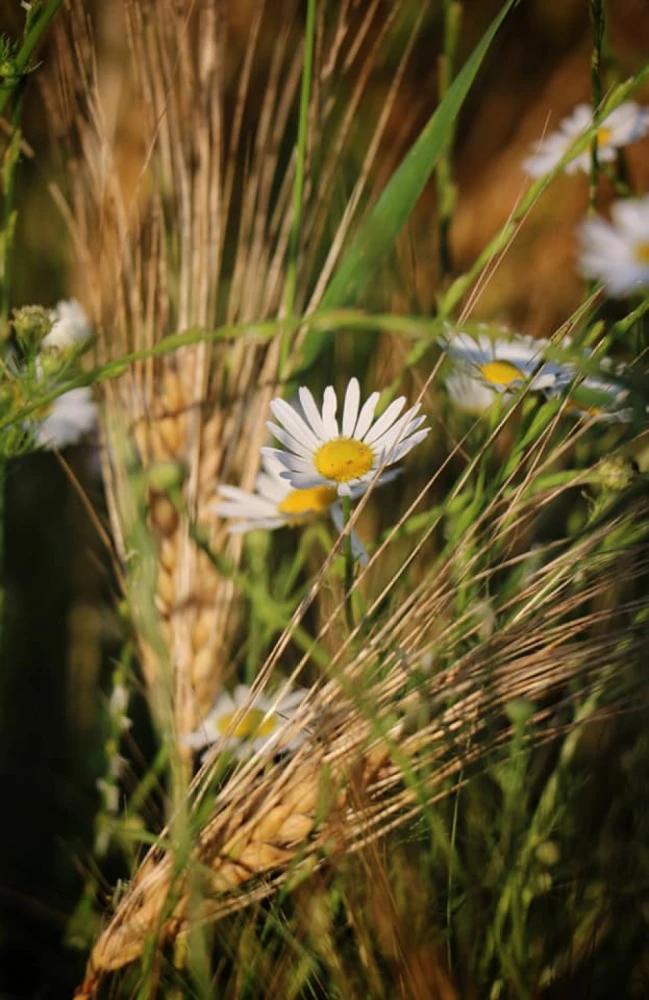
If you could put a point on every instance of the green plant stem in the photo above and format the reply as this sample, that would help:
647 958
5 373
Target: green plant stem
445 186
298 185
598 28
9 195
33 37
349 563
412 327
540 828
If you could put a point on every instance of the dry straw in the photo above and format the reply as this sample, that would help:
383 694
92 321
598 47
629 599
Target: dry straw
182 219
431 697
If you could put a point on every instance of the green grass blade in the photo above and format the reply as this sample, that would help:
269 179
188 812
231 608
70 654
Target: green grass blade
398 199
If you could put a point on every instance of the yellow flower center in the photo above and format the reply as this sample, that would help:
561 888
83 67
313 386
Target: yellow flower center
500 372
250 725
604 136
641 252
343 459
299 503
592 411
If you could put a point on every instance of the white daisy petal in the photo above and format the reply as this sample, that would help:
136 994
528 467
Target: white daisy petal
408 444
403 426
346 461
350 409
271 487
250 723
329 407
293 422
626 124
617 253
366 416
385 420
312 413
288 440
496 364
257 524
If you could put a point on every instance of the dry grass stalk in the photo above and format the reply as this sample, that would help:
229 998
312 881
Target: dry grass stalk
182 218
361 772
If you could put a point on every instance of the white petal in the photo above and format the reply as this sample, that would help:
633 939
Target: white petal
350 409
398 430
308 480
386 420
271 487
293 422
366 416
258 524
329 407
288 461
404 447
312 413
289 441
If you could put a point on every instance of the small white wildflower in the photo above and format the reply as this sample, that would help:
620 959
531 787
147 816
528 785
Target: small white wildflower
617 253
70 327
319 452
626 124
69 418
257 730
487 366
275 503
597 397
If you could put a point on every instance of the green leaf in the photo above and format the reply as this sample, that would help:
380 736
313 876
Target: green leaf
395 204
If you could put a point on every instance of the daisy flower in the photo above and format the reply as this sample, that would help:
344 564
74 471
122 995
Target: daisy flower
594 396
67 420
70 327
258 729
319 452
488 366
275 503
626 124
617 253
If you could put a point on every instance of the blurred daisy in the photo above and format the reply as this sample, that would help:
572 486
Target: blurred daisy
617 253
626 124
275 503
487 366
70 327
255 730
346 457
67 420
594 396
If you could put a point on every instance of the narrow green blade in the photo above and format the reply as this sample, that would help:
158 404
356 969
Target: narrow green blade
395 204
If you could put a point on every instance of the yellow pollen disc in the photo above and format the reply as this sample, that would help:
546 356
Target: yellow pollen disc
343 459
500 372
641 252
250 725
312 501
603 136
592 411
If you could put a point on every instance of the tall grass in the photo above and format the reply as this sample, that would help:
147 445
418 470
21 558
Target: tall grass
438 830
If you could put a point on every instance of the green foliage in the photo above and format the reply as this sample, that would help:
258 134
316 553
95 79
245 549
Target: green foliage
492 648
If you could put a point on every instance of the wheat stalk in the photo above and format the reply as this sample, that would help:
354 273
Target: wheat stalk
169 237
373 761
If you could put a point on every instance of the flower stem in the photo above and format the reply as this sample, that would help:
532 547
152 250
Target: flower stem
346 505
